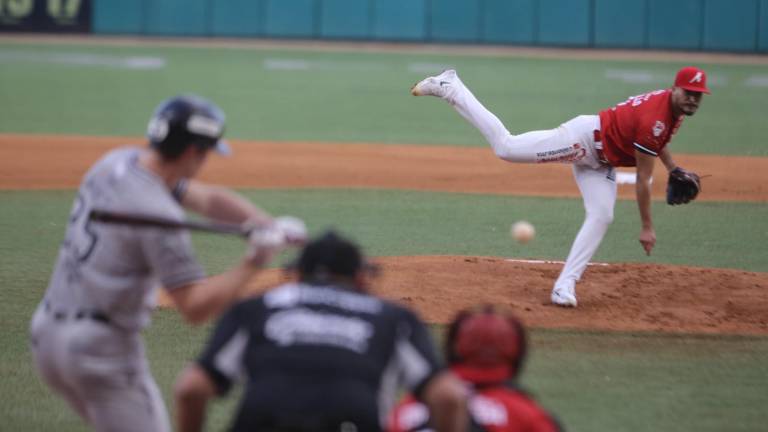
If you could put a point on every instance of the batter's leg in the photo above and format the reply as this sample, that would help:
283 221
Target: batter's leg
49 352
531 147
129 406
598 189
109 370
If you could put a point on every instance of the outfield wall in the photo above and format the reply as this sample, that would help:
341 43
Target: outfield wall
707 25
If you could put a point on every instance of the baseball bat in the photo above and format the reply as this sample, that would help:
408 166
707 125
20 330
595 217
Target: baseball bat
140 220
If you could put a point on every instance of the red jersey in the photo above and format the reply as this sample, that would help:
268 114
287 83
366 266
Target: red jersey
495 408
643 123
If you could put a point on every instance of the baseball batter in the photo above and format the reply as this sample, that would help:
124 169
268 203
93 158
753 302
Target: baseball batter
633 133
85 332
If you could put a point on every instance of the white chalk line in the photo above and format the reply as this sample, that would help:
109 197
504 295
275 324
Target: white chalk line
524 261
301 64
639 76
625 177
632 76
84 59
757 81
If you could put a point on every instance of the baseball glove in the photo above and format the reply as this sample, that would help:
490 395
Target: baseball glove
683 186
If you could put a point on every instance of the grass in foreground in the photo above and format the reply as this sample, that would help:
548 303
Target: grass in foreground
592 381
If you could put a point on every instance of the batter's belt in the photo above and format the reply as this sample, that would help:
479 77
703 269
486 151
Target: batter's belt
61 315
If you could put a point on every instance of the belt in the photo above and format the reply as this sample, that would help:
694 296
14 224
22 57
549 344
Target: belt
599 147
76 315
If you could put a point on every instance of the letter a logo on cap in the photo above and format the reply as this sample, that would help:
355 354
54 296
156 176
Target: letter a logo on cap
696 78
692 78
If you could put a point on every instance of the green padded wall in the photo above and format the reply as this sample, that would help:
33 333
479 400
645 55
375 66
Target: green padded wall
237 18
345 19
621 23
564 22
118 16
455 20
177 17
509 21
710 25
675 24
290 18
400 20
762 37
731 28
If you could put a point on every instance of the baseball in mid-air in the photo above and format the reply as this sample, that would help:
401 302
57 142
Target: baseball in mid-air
522 231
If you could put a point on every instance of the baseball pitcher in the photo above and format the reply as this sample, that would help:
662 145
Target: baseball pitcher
85 333
633 133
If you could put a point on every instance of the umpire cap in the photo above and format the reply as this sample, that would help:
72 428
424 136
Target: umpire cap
330 255
185 120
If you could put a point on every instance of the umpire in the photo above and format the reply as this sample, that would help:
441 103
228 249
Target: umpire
320 354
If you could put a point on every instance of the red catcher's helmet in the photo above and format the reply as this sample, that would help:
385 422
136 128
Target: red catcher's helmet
485 344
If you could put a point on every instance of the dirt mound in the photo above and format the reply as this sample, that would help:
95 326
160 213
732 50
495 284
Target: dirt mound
626 297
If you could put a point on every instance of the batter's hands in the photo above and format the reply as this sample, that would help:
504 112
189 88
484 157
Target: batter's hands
294 230
263 244
266 241
648 239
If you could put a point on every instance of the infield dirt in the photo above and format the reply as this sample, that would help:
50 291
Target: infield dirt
612 297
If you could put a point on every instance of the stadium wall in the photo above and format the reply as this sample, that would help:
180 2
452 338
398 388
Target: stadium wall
699 25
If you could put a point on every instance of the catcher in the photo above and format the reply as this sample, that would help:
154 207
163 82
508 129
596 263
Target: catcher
486 348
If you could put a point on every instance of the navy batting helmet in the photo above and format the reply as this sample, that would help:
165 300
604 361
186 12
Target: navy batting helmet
486 344
183 121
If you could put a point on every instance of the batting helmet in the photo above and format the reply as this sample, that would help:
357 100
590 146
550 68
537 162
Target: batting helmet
183 121
486 344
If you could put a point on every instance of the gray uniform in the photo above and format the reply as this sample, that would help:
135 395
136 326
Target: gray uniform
85 332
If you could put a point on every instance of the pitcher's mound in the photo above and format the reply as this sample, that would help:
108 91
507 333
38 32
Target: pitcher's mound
629 297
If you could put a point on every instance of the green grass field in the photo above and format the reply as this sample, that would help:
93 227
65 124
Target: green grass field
594 381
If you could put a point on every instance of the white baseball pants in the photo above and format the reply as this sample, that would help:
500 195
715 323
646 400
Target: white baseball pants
101 371
572 142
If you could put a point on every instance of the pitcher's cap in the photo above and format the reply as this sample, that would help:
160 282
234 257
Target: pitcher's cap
692 78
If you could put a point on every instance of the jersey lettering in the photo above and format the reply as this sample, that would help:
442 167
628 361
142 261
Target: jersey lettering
304 326
488 411
80 239
639 99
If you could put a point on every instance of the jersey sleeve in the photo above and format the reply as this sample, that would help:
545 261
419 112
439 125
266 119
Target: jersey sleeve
171 257
409 415
180 189
415 352
222 359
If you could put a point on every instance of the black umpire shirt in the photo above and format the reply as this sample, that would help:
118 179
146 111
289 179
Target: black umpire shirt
318 358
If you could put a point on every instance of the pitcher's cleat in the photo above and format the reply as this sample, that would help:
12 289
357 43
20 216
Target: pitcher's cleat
439 85
564 296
